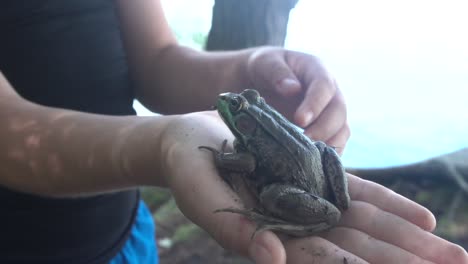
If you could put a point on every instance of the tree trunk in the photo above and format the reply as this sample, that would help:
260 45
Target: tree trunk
239 24
445 170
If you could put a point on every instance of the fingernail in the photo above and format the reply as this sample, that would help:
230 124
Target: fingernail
288 85
259 253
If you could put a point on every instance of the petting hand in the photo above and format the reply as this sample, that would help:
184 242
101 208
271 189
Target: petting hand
379 227
300 88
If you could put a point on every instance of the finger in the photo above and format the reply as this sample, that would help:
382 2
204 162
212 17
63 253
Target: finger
330 121
388 200
317 96
370 249
267 248
339 140
396 231
318 250
272 70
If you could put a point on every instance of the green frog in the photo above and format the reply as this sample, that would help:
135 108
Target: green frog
299 185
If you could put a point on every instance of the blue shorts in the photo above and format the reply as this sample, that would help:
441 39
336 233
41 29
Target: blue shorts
140 247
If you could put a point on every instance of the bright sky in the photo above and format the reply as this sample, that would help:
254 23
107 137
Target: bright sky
403 66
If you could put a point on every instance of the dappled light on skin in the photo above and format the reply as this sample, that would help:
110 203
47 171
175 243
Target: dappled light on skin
55 164
16 154
42 153
18 125
32 141
30 152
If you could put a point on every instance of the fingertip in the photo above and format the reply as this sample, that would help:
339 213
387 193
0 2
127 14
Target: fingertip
303 117
288 86
266 248
237 233
390 201
429 222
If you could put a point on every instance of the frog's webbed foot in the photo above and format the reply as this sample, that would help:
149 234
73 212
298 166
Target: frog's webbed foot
265 222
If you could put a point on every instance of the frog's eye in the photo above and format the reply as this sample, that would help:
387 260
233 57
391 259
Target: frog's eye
235 104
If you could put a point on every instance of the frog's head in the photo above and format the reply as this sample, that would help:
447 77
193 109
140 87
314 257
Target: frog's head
237 111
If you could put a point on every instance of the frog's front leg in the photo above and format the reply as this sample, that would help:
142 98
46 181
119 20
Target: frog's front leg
299 207
232 161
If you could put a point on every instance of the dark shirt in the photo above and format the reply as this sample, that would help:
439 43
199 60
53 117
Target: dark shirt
68 54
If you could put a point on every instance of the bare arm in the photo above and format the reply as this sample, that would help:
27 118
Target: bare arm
167 73
57 152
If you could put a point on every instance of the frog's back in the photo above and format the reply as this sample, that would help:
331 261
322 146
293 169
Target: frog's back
288 164
284 154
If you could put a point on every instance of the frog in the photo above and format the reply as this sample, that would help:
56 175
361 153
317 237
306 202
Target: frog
299 185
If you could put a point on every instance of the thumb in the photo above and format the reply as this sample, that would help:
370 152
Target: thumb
234 232
271 69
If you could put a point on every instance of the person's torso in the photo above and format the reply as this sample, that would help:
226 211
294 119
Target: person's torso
68 54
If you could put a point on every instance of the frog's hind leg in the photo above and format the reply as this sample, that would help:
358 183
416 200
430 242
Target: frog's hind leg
297 206
336 176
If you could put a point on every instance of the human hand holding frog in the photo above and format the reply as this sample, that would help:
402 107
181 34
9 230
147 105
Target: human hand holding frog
379 227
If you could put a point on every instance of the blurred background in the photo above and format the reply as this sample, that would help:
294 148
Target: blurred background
403 66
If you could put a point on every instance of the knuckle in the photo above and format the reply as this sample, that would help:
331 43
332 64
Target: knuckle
326 84
413 259
375 215
387 196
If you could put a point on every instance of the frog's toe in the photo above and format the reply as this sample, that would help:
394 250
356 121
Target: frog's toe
265 222
292 229
302 230
251 214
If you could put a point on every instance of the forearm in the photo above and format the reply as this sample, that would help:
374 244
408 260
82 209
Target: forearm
178 73
167 74
56 152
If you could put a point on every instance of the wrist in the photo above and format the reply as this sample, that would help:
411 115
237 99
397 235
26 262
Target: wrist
241 77
143 152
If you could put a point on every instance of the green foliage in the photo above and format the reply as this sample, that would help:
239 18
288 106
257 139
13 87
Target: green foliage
166 212
155 197
200 38
194 40
186 232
